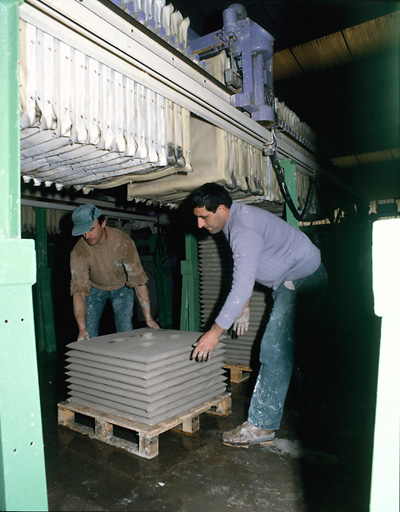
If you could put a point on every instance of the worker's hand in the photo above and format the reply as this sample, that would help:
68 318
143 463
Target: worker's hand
206 344
241 324
152 323
83 335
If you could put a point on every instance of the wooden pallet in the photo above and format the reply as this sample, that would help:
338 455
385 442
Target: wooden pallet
237 373
147 445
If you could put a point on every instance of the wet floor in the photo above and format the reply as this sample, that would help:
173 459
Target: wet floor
320 460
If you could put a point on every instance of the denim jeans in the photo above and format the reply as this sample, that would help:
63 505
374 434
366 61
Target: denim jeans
122 301
277 345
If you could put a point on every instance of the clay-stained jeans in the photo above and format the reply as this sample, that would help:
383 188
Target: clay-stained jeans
122 301
277 345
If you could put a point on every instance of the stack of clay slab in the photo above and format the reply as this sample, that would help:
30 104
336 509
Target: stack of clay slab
143 375
215 271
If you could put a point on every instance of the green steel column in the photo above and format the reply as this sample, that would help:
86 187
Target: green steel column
190 306
22 469
289 168
45 316
10 220
162 277
161 270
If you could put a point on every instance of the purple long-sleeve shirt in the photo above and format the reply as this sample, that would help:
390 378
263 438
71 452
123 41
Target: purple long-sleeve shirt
265 249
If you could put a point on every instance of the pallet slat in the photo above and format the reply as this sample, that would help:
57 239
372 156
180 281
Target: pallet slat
237 373
147 447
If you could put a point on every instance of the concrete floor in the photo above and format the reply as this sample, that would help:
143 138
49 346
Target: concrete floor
320 461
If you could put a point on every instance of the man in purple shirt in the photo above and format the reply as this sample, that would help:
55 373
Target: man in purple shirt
268 250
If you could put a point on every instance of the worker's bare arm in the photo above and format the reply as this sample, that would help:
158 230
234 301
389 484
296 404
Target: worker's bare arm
144 300
79 307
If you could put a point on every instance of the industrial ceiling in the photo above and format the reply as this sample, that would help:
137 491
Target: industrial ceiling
114 113
336 65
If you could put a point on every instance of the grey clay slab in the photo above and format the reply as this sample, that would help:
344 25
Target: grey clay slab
152 402
136 405
137 418
146 379
126 412
129 363
168 359
166 383
135 408
141 345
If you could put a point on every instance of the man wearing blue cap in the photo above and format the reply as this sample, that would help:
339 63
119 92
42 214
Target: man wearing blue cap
105 265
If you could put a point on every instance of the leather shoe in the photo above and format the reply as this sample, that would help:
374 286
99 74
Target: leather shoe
246 435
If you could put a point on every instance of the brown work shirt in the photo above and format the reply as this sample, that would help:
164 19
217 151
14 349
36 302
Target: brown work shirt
106 266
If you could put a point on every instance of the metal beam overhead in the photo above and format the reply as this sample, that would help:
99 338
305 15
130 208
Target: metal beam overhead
104 35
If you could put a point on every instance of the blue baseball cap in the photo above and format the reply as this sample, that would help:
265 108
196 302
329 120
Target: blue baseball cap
83 218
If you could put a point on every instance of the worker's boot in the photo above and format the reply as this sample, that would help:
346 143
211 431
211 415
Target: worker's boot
246 435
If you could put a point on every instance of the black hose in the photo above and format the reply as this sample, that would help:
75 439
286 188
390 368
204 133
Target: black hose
281 179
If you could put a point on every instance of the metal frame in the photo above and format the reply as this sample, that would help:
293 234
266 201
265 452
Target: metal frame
111 36
85 25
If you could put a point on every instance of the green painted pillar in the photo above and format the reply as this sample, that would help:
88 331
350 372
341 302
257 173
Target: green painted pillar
22 468
289 168
190 305
45 329
160 268
162 276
